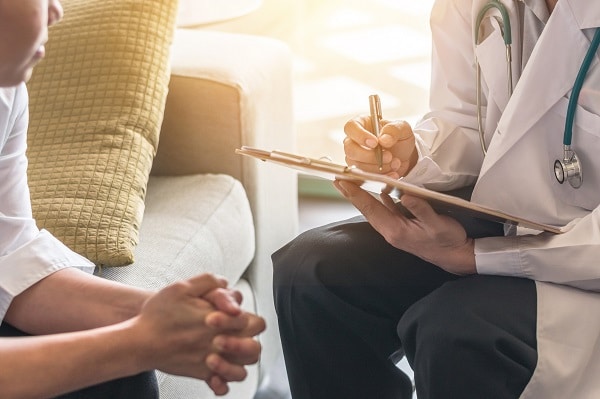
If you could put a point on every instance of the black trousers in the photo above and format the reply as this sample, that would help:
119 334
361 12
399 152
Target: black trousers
348 303
141 386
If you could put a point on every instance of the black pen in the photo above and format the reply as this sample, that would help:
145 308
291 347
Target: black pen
376 115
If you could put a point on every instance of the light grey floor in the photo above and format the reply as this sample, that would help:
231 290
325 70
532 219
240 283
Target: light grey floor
313 212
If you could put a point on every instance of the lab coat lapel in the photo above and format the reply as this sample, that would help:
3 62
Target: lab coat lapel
548 76
587 13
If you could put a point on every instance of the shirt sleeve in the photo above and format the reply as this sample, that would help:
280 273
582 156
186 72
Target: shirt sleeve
27 254
570 258
447 137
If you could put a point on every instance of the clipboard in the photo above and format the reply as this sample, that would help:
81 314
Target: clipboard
376 183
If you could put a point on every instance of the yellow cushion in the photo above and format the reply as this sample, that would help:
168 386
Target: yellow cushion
97 104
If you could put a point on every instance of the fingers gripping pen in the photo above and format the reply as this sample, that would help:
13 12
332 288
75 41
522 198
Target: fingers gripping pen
375 107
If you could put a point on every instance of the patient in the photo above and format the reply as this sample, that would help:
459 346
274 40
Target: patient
75 334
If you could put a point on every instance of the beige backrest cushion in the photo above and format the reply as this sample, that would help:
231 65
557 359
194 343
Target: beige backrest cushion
97 103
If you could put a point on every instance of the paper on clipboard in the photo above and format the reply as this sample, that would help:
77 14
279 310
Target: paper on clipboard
377 183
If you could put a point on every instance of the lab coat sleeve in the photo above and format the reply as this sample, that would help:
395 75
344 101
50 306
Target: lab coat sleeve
27 254
570 258
447 138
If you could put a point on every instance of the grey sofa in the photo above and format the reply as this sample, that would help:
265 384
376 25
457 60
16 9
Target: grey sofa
208 209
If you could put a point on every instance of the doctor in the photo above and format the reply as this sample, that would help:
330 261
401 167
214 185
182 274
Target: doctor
478 313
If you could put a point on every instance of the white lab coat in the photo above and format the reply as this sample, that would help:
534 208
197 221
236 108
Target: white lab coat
525 136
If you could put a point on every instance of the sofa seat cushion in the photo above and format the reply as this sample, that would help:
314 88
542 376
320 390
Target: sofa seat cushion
192 224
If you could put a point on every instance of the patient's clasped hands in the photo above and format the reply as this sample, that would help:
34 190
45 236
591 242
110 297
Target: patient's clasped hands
196 328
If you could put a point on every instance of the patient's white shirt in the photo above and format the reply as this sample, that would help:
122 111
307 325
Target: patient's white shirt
27 254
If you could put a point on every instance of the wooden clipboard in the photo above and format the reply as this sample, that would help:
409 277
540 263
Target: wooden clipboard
377 183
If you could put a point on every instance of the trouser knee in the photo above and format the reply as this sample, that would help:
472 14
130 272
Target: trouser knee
431 329
471 338
296 262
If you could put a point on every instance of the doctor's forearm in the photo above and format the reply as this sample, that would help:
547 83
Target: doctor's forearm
71 300
458 260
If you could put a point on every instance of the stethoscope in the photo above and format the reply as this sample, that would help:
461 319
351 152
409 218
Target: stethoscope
569 167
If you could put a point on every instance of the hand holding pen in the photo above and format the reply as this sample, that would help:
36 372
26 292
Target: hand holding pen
395 136
376 116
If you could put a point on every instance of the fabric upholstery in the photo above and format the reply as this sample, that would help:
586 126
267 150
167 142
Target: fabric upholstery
217 104
193 224
243 103
97 104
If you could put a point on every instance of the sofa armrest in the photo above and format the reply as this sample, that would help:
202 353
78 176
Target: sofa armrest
226 91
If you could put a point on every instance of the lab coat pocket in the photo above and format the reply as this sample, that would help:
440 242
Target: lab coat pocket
586 143
491 54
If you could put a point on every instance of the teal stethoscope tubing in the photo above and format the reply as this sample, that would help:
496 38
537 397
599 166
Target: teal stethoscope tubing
585 66
507 37
507 34
569 167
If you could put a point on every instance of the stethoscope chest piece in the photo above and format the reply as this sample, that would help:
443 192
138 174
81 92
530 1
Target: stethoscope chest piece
569 169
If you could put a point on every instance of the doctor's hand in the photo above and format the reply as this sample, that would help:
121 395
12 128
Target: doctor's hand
396 139
436 238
